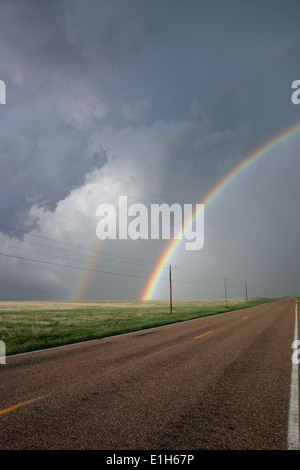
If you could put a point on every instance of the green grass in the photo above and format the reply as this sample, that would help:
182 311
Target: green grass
30 326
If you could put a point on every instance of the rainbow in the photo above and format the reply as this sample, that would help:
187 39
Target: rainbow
78 291
214 193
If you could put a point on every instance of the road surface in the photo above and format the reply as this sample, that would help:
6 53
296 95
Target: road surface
220 382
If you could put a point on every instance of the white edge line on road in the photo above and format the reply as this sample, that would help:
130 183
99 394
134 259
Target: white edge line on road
293 426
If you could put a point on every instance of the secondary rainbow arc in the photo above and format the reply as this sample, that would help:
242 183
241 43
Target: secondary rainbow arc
213 194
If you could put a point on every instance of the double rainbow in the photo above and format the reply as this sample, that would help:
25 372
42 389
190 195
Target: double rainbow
210 198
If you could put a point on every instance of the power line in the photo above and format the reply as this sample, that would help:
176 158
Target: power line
118 273
76 246
190 277
36 252
78 267
55 256
193 274
98 270
194 283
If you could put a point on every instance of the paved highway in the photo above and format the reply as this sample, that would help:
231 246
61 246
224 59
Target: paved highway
220 382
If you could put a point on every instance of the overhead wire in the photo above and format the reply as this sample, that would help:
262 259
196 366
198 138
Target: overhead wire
77 267
77 246
186 276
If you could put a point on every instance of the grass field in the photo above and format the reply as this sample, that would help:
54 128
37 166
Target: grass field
28 326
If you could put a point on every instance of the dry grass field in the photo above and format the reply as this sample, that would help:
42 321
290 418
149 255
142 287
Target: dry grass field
71 305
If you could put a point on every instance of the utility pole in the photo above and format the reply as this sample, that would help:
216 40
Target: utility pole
246 292
225 279
170 280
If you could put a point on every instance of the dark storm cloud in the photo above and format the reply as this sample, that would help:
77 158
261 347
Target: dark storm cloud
157 99
43 154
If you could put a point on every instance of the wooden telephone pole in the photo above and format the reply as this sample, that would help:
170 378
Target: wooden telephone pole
225 279
170 281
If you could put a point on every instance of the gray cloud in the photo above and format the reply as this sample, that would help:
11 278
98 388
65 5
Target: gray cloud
158 101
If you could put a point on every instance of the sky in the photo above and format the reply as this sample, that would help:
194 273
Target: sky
156 100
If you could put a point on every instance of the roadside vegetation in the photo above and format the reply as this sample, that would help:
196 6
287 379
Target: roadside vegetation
29 326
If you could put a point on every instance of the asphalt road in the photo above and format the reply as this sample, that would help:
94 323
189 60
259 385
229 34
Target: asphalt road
221 382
